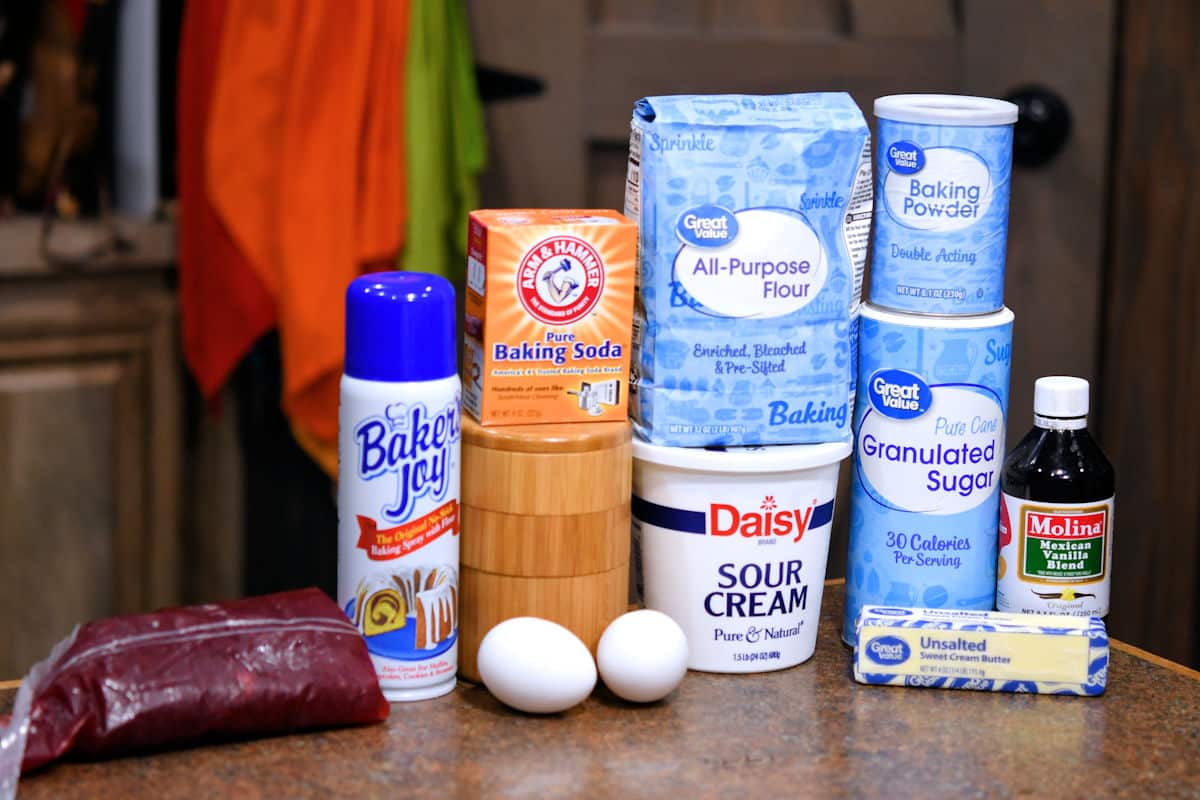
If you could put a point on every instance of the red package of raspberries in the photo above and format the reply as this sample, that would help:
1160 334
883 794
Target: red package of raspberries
265 665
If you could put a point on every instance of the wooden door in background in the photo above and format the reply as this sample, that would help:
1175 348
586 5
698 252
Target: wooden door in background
567 147
1151 353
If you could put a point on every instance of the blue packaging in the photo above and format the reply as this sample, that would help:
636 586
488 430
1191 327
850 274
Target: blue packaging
942 177
986 651
754 214
925 471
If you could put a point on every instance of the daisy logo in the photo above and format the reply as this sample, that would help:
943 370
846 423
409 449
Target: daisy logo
560 280
769 521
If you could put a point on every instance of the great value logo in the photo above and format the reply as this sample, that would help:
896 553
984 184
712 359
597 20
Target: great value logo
888 651
707 226
560 280
414 445
905 157
899 394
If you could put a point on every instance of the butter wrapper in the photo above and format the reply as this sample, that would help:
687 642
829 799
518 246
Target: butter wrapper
981 650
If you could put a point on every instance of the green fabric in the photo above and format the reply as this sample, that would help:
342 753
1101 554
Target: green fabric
446 138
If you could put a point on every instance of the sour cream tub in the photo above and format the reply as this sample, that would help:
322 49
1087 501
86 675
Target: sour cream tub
733 545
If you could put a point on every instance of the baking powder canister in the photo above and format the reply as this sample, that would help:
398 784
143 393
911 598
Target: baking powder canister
942 181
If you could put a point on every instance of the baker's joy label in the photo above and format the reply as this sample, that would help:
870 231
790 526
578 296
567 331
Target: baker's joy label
1054 557
414 448
399 563
560 280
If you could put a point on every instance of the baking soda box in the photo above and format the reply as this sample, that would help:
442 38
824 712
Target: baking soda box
549 314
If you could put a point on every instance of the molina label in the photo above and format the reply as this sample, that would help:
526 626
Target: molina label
929 445
1063 545
1054 557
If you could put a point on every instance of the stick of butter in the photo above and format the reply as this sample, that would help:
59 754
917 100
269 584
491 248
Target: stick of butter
982 650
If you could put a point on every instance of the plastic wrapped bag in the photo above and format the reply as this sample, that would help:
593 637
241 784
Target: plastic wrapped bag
260 666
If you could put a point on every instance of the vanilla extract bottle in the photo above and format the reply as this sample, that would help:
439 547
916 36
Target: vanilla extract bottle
1056 510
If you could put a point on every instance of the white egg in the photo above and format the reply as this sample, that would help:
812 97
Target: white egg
642 656
536 665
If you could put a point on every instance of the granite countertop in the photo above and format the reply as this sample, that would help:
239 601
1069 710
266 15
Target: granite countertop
806 730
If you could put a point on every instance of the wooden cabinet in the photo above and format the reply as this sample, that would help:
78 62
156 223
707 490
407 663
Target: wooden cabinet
90 443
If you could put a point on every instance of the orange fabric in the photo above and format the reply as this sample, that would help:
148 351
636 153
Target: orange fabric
306 168
224 306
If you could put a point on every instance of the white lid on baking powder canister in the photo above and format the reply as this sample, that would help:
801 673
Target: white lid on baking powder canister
946 109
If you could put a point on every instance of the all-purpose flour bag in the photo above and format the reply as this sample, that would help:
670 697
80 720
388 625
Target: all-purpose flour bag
754 214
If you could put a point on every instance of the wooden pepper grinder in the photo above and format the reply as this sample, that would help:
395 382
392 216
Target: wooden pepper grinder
545 528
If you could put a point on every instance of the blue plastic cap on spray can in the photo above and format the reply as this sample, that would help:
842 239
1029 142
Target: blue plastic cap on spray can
400 327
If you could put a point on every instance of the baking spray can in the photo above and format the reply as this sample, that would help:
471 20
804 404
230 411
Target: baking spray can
398 480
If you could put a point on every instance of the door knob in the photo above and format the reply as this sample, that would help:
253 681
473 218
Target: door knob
1043 125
